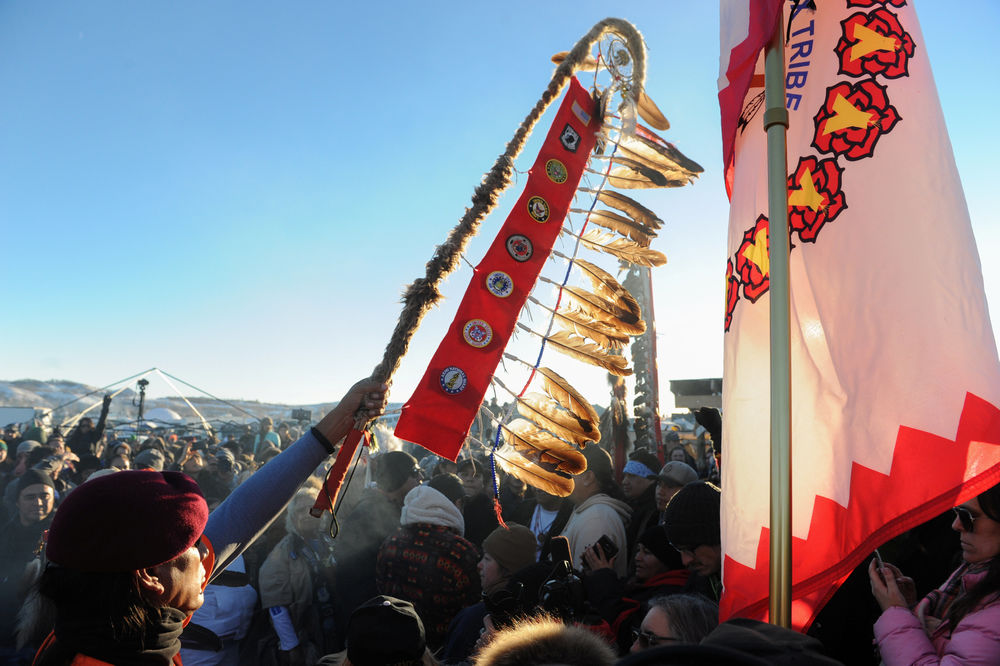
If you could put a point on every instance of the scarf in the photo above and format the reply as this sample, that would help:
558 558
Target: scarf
91 636
933 609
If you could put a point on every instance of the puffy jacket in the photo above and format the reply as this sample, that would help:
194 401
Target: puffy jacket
903 641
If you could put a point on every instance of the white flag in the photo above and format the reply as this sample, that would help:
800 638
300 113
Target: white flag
895 376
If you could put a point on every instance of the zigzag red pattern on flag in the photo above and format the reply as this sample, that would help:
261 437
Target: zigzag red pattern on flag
443 406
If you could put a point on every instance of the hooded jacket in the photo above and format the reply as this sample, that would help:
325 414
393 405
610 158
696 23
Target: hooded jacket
428 562
424 504
596 516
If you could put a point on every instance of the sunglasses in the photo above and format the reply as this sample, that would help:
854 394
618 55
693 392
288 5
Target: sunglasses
647 639
965 518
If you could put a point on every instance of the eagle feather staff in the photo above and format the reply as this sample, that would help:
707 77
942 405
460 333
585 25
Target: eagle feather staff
421 295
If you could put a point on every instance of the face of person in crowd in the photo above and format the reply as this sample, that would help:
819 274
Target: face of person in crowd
180 582
85 425
34 504
664 493
655 630
58 445
194 464
701 559
471 482
677 454
647 564
490 571
584 486
634 485
120 462
446 467
516 486
982 542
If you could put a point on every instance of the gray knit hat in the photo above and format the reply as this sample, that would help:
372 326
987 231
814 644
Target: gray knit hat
677 474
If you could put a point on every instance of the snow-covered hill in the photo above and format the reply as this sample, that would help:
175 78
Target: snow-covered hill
66 400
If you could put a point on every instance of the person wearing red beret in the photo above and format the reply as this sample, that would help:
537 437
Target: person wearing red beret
131 553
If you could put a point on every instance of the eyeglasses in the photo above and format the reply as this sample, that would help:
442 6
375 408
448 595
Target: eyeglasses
647 639
686 550
965 518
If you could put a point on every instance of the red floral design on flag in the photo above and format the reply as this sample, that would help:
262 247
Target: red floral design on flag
874 44
732 292
752 262
853 118
873 3
814 196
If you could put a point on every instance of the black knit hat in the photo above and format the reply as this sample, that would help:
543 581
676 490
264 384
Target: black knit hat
385 630
692 516
655 540
33 477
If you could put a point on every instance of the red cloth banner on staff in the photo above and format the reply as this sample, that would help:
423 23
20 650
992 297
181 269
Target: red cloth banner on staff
445 403
895 375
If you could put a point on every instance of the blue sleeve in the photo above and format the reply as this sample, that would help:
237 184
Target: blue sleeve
251 507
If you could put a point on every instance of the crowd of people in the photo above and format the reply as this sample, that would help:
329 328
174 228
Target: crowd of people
167 548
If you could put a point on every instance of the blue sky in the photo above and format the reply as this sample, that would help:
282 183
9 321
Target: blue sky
237 192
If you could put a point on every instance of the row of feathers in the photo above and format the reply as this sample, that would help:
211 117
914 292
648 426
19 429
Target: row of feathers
542 446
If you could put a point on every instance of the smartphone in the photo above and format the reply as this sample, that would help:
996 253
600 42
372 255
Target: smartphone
879 564
607 546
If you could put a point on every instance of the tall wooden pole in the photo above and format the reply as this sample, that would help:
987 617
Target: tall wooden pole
776 124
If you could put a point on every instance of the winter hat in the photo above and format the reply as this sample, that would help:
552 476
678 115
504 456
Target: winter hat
385 630
150 459
774 644
513 548
51 465
692 515
3 445
655 540
677 474
32 477
393 469
127 521
27 446
423 504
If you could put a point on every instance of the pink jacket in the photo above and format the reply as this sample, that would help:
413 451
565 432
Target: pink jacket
903 641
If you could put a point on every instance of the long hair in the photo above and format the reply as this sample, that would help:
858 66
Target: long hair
114 597
989 585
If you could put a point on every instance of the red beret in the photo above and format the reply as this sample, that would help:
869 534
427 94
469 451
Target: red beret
127 521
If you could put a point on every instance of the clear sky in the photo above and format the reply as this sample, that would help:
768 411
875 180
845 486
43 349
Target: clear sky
237 192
